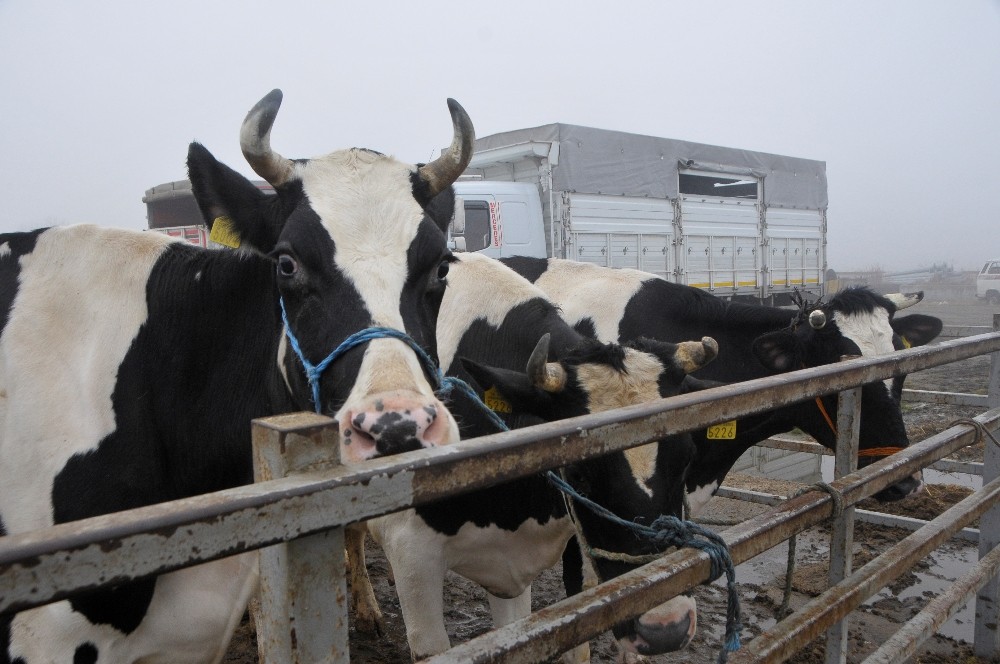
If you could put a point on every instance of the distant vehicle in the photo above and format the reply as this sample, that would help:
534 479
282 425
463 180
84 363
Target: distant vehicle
172 210
988 282
734 222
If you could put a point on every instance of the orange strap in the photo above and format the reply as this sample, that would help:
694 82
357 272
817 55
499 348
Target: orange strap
871 451
826 415
878 451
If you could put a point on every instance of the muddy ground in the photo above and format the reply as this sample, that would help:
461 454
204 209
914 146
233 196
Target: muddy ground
759 580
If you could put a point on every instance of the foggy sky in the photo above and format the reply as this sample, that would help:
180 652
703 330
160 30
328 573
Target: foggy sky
901 99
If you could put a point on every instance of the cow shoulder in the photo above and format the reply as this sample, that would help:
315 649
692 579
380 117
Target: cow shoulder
589 292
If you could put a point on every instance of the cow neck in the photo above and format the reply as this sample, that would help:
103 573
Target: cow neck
315 371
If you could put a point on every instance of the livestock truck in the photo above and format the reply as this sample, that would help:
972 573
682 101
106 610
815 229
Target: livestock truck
731 221
734 222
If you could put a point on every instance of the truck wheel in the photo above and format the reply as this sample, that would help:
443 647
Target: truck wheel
993 297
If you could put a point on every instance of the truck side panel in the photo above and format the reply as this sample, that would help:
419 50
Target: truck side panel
795 249
642 236
720 249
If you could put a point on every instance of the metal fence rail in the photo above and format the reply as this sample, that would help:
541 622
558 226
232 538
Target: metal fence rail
50 564
545 632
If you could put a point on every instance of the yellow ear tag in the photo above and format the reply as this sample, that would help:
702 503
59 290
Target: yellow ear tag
495 402
224 233
906 342
723 431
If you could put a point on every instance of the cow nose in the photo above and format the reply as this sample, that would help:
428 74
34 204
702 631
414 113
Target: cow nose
390 424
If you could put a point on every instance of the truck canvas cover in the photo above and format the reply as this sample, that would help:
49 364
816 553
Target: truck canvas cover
601 161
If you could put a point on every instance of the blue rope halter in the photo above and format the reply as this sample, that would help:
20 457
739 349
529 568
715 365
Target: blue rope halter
445 384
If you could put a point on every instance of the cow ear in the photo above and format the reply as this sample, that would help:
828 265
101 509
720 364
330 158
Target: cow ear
917 329
238 213
514 387
442 208
778 351
691 384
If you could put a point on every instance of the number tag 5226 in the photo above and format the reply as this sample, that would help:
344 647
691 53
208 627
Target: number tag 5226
724 431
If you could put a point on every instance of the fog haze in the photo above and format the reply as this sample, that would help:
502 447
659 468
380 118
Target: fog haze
900 99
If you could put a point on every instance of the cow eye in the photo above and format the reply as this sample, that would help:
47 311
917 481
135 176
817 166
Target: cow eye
287 266
443 270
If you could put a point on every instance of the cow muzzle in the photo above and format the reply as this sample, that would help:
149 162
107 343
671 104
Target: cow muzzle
391 423
665 628
904 488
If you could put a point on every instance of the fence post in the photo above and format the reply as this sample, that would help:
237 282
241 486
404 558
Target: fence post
987 636
842 534
302 614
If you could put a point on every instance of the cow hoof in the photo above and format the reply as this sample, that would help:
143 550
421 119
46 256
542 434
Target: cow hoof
372 626
666 628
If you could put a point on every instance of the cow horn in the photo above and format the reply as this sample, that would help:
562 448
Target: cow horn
444 170
817 319
904 300
255 141
693 355
549 376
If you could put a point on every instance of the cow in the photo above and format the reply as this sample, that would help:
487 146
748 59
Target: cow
755 341
502 537
131 366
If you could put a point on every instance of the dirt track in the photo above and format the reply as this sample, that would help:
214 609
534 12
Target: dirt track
759 580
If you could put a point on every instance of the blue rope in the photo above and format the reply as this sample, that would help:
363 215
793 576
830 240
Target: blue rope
665 531
445 384
668 531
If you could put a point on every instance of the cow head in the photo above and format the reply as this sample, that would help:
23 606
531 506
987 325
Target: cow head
856 322
357 240
596 377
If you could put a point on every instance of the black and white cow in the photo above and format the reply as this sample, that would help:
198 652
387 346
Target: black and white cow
502 537
131 366
755 341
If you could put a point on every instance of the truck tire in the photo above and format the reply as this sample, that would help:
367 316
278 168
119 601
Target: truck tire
993 297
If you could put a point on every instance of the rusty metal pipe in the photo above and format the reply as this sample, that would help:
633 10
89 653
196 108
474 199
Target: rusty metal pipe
560 626
904 643
780 642
42 566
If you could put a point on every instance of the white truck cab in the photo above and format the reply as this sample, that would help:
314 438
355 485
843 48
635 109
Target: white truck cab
988 282
499 219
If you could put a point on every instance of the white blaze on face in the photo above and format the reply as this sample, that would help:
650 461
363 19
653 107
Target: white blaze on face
464 303
608 389
589 291
872 333
365 202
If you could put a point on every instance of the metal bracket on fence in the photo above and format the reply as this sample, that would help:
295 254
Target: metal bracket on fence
302 613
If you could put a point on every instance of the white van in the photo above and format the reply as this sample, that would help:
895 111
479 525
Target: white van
988 282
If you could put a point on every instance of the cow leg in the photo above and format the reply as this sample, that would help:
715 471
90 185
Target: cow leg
506 611
367 614
416 557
